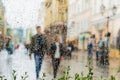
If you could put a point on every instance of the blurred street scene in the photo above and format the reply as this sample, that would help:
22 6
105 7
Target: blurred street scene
47 36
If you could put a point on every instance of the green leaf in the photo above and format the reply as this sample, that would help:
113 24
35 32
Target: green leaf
118 70
112 78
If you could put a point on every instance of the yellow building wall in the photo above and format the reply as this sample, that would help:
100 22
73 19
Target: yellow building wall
54 13
2 19
48 13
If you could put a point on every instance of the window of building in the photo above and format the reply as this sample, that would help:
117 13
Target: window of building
97 4
87 4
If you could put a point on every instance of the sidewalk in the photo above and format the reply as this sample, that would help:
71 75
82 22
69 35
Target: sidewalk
114 53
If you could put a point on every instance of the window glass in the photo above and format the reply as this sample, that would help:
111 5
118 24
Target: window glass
97 4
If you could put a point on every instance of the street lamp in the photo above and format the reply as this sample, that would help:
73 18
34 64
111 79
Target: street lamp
102 8
114 10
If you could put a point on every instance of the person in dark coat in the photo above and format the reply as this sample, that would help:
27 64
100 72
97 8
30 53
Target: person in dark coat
27 46
39 47
90 49
97 52
56 52
70 48
9 46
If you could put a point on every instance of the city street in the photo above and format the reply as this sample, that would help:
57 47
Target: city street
85 28
20 62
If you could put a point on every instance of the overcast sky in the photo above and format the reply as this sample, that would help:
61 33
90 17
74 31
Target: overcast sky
22 13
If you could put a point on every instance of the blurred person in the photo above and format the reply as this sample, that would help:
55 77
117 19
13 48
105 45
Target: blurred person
56 52
38 46
9 46
97 52
90 51
70 48
104 54
16 45
27 46
90 47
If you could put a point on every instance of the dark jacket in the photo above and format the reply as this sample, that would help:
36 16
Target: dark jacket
9 47
71 45
53 49
90 47
38 45
118 42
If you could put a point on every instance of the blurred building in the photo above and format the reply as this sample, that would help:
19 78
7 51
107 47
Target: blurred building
105 17
78 21
18 34
29 34
56 17
56 12
92 17
2 19
41 19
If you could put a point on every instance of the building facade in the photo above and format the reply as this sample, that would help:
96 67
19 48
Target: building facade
105 18
41 18
90 17
2 19
78 21
55 12
56 16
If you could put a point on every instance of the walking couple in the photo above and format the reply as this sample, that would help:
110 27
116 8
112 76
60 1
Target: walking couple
39 47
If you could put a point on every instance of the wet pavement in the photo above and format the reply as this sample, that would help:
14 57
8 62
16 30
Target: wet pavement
20 62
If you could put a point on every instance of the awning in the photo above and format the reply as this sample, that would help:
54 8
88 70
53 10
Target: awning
87 32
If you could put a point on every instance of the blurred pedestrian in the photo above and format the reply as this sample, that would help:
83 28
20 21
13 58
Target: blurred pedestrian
56 51
9 46
27 46
70 48
90 49
16 45
38 46
104 54
97 52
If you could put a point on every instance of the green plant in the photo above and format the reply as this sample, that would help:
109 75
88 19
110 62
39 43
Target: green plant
80 77
90 70
112 78
77 76
25 76
14 75
66 75
2 78
118 70
43 76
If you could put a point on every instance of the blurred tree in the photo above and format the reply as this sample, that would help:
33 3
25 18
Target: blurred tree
9 32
